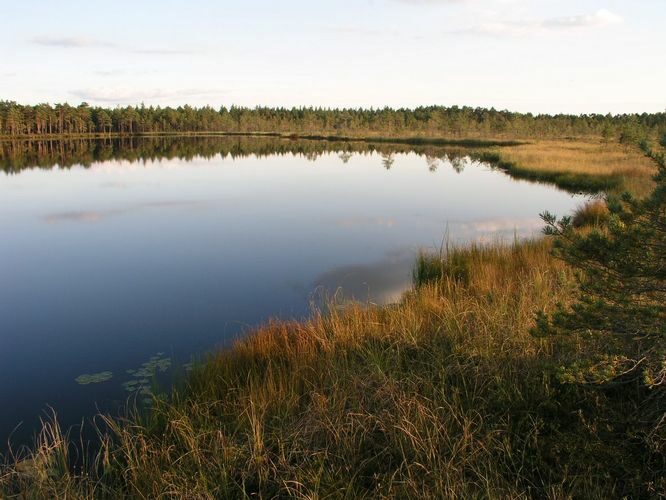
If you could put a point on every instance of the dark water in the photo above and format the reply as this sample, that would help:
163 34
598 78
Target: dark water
178 246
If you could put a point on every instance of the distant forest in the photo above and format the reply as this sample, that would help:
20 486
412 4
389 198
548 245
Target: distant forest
457 122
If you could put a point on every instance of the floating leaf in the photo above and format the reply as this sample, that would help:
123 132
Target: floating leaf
94 378
142 376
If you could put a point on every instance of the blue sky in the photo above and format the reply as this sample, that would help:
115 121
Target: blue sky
550 56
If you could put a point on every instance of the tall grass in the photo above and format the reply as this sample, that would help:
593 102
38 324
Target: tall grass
580 165
594 213
443 395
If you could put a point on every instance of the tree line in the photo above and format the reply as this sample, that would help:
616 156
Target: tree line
63 119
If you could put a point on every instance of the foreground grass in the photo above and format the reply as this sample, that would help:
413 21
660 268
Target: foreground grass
579 165
444 395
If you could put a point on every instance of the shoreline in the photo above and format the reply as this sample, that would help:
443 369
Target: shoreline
410 140
446 393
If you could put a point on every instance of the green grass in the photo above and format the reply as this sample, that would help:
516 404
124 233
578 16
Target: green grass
444 395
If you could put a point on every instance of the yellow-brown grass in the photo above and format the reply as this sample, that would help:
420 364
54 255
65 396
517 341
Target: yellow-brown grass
581 157
594 213
444 395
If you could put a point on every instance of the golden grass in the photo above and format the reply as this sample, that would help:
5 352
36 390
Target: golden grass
581 157
444 395
594 213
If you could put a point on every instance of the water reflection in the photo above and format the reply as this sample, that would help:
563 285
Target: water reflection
17 155
98 215
115 250
381 282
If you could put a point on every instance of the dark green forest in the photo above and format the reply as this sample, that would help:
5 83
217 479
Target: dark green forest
456 122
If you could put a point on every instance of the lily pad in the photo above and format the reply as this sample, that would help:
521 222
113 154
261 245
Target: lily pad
94 378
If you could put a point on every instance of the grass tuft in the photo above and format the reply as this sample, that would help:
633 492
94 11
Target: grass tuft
592 214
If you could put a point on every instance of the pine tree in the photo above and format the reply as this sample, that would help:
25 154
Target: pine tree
620 314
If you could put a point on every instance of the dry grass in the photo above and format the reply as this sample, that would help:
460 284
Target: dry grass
594 213
621 167
444 395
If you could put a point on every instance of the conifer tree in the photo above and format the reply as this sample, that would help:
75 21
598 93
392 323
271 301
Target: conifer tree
621 310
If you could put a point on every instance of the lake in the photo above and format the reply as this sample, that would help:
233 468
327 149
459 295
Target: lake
124 260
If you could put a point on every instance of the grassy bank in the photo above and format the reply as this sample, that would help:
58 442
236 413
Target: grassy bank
481 141
578 165
445 394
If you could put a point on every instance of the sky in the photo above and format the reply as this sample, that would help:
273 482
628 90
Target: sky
540 56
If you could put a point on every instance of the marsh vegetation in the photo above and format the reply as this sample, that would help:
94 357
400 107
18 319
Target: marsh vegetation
469 386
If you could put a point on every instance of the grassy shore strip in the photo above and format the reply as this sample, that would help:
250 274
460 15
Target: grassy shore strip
416 140
444 395
574 182
577 165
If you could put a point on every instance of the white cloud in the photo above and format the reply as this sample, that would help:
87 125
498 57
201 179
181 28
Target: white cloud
431 2
70 42
162 51
456 2
601 18
86 42
132 96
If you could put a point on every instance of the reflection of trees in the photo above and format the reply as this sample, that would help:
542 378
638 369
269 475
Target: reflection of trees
388 159
16 155
458 164
432 162
345 156
312 155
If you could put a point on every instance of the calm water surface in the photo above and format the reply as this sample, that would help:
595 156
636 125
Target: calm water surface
178 251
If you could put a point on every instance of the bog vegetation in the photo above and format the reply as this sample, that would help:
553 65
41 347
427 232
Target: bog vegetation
505 372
